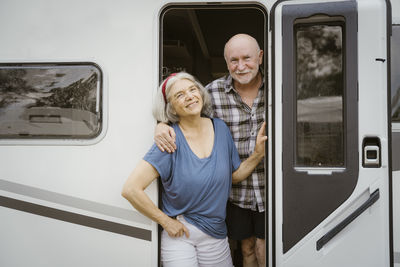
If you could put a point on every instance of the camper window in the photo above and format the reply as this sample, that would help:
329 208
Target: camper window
395 73
319 88
50 101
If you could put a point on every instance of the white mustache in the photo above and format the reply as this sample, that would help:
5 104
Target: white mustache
242 72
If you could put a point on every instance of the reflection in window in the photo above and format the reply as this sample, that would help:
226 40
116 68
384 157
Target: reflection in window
395 73
50 101
319 84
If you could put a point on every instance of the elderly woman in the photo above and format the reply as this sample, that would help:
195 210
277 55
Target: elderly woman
196 178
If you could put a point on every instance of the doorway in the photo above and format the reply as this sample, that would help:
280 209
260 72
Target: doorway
192 39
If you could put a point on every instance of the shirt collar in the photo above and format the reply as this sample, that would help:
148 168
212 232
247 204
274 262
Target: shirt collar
228 84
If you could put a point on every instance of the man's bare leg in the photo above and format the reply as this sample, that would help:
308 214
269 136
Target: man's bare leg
260 252
249 252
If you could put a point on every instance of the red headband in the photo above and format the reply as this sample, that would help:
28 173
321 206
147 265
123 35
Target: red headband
165 84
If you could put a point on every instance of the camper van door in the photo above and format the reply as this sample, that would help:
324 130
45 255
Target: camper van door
330 170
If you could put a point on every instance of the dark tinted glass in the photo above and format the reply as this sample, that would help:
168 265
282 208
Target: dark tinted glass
395 73
50 101
319 89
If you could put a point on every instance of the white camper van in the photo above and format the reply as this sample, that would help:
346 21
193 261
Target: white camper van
77 79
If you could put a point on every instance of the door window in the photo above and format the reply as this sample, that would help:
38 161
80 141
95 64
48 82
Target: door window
395 73
319 95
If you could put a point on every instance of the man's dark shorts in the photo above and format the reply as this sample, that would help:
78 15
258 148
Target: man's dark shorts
244 223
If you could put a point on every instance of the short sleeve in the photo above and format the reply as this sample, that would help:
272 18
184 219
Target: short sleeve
162 161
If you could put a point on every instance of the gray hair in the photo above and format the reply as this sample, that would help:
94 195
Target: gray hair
164 112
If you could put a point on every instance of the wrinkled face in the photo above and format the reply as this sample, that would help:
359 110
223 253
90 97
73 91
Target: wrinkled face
185 98
243 58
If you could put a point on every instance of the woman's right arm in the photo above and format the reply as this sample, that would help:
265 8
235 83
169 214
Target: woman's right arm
141 177
164 137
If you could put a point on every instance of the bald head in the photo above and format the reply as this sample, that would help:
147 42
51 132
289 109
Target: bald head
239 41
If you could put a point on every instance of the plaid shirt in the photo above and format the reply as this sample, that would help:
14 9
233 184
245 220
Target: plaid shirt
244 123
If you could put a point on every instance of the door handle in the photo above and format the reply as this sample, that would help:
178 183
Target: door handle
371 152
335 230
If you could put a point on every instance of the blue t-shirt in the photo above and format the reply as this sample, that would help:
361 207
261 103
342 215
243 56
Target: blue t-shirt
198 188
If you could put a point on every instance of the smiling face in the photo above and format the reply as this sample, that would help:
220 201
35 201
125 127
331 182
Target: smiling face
185 98
243 57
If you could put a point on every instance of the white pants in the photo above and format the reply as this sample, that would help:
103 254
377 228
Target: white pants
198 250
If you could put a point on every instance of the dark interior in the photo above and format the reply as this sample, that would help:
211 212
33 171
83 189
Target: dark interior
193 37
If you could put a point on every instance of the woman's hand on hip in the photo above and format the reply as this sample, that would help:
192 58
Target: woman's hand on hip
175 228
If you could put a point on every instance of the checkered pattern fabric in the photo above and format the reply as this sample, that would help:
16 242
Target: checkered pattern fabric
244 123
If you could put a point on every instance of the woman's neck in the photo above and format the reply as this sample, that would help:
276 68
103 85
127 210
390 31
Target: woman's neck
199 135
191 123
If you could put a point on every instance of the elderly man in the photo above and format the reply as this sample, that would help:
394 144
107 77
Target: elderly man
238 99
